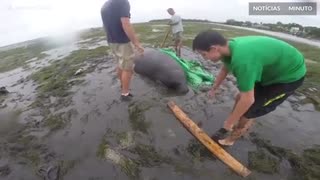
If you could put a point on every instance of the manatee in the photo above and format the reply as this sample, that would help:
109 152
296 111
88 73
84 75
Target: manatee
158 66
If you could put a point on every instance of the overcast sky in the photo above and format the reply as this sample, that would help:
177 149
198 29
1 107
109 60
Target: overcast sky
28 19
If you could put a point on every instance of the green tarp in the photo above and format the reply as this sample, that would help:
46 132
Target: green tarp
197 76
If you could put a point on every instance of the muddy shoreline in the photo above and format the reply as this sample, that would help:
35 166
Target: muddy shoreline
58 125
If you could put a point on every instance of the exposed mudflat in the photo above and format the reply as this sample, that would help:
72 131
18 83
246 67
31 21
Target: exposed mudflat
57 125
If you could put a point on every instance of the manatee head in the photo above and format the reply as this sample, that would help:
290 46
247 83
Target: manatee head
180 88
183 89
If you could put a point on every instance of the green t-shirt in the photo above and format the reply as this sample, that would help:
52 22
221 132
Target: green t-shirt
265 60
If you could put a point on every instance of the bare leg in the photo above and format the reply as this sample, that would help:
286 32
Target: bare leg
125 80
119 72
236 101
176 49
242 127
179 51
179 48
178 45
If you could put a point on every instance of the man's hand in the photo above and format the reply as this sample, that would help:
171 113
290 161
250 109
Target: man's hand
139 48
212 93
128 29
221 76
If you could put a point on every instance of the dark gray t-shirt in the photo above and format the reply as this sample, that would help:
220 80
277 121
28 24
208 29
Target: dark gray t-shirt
112 12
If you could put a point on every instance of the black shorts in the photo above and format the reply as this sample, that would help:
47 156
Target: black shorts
267 98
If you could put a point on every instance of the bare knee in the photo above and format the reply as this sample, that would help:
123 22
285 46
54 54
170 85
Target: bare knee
238 97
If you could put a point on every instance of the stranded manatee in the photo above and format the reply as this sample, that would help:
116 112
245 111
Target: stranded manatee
161 67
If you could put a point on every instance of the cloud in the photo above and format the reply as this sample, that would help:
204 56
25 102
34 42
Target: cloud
28 19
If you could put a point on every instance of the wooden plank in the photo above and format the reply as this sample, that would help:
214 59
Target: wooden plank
208 142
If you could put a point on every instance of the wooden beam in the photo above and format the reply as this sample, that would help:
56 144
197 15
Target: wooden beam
208 142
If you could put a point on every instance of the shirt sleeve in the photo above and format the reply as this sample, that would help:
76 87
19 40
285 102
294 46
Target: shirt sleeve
124 9
247 75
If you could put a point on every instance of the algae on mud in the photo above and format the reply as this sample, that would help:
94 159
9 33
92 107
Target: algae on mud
92 33
304 167
198 151
33 157
25 148
132 158
18 57
102 148
148 156
137 117
130 168
127 165
262 162
312 81
126 139
66 165
55 122
54 79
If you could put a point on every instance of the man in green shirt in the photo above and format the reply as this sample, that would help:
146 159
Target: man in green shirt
267 70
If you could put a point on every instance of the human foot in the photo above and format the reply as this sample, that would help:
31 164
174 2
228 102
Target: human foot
226 142
126 97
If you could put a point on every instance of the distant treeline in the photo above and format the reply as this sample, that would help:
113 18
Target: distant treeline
184 20
291 28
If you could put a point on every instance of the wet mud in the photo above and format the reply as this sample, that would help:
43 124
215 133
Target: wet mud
58 124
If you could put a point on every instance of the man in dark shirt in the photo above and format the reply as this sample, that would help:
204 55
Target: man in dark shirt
121 38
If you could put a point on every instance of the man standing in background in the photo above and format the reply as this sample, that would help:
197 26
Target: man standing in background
121 38
177 29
